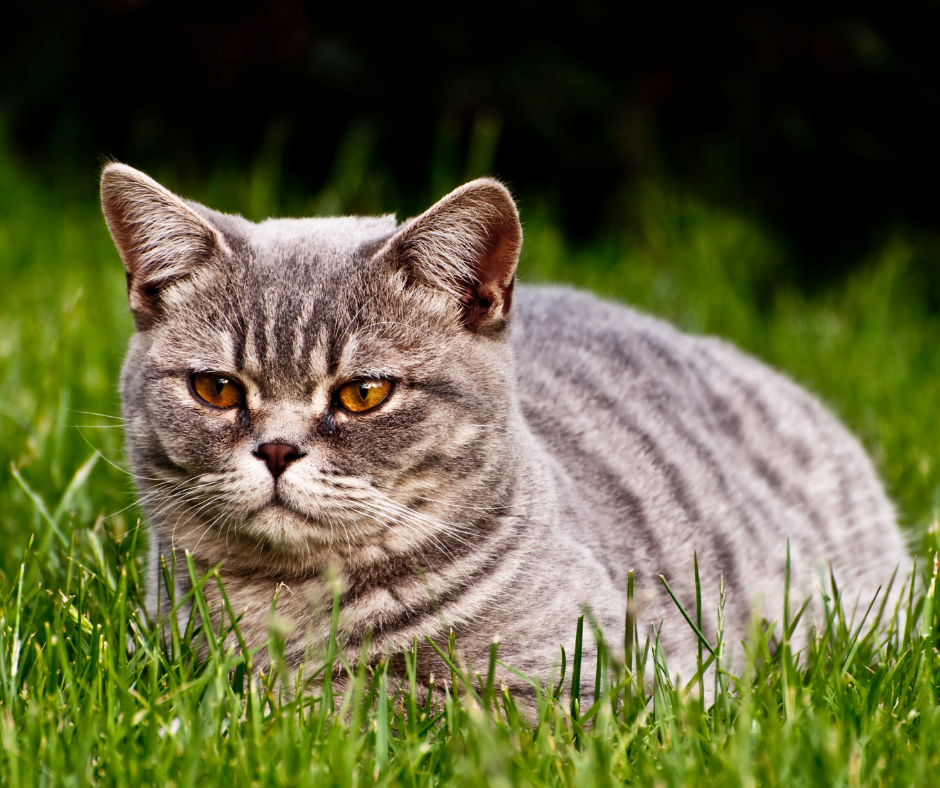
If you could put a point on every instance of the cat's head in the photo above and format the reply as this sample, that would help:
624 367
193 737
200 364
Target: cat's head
304 391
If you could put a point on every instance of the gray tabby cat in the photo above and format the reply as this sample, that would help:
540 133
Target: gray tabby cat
355 396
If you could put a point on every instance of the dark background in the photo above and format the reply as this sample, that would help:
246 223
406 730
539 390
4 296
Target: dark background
823 120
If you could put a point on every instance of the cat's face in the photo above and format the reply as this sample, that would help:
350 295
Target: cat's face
304 391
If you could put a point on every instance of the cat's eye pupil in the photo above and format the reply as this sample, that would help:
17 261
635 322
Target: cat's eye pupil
359 396
217 390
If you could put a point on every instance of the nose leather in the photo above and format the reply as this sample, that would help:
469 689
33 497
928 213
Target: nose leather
277 456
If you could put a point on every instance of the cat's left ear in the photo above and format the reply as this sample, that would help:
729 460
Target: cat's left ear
468 246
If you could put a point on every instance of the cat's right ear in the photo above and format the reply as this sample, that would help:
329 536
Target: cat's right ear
160 238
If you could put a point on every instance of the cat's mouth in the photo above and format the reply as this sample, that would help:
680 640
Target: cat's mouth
277 503
291 519
279 508
292 531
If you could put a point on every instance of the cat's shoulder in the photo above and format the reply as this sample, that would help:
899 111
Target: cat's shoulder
563 329
557 317
556 308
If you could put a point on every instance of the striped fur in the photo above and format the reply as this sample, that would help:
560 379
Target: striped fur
524 462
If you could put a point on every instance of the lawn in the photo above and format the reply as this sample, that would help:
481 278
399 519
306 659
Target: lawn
89 695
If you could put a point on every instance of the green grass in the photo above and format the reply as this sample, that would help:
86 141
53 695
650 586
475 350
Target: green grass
88 695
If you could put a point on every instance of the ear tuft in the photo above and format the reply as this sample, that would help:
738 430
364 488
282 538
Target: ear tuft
468 246
160 238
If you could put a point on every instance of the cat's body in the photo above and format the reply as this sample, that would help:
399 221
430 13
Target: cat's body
495 474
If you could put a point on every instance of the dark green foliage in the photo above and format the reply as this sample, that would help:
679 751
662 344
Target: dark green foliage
821 118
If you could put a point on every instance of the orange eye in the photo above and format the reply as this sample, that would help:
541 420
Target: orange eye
362 395
218 390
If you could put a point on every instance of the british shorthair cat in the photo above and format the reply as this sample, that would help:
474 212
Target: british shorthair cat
379 400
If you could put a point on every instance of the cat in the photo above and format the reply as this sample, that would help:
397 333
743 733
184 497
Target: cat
351 397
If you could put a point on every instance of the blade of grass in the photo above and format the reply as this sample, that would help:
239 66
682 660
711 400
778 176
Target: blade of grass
576 670
701 638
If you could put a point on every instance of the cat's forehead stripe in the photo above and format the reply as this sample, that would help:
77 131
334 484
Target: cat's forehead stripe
239 341
272 320
259 337
301 331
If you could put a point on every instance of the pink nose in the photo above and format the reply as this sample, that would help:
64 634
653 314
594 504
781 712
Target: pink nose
277 456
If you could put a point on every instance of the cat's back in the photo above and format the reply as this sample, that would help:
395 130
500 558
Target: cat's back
664 443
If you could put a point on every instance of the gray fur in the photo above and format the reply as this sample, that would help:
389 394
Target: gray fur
524 462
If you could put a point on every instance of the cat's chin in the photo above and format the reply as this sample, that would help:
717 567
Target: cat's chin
292 533
285 530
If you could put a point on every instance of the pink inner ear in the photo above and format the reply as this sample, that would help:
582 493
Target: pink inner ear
496 277
497 265
496 272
